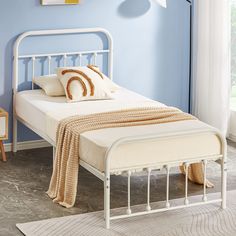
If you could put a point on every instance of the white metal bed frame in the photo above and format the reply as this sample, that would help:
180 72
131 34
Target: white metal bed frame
105 177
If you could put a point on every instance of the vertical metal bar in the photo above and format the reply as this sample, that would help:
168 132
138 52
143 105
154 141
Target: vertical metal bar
223 172
110 58
167 186
95 58
80 60
190 55
223 182
104 200
49 64
15 130
148 208
65 59
15 89
129 209
107 199
33 70
186 201
205 180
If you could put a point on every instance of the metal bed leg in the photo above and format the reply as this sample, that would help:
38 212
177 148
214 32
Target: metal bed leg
14 141
129 209
148 207
224 183
167 186
204 198
107 200
186 201
104 200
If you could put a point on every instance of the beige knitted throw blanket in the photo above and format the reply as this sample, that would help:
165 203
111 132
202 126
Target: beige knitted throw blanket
64 180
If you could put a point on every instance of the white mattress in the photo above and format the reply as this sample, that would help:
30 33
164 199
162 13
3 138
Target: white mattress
44 113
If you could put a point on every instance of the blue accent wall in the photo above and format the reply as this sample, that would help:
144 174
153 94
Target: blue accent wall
151 43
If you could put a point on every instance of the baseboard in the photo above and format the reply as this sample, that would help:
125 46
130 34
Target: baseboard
28 145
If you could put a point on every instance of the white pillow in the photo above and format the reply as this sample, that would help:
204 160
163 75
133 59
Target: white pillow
110 84
82 83
50 84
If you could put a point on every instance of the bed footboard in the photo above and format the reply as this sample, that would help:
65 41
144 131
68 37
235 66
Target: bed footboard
221 159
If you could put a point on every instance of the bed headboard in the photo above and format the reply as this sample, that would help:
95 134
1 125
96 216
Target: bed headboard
49 56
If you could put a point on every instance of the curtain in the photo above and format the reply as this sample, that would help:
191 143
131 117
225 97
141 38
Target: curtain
211 62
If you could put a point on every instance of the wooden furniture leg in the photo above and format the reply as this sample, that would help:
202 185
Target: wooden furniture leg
4 158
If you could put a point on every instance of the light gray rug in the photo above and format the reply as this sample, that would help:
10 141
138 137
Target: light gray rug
208 220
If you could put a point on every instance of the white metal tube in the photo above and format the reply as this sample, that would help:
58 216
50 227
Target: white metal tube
33 70
15 89
205 181
165 209
80 59
148 208
167 186
129 209
15 131
110 59
104 199
62 53
223 172
224 181
186 201
107 199
49 64
65 59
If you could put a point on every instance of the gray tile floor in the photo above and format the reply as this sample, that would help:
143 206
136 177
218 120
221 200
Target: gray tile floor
25 178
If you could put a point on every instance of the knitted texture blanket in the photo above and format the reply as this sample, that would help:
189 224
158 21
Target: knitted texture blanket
64 180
